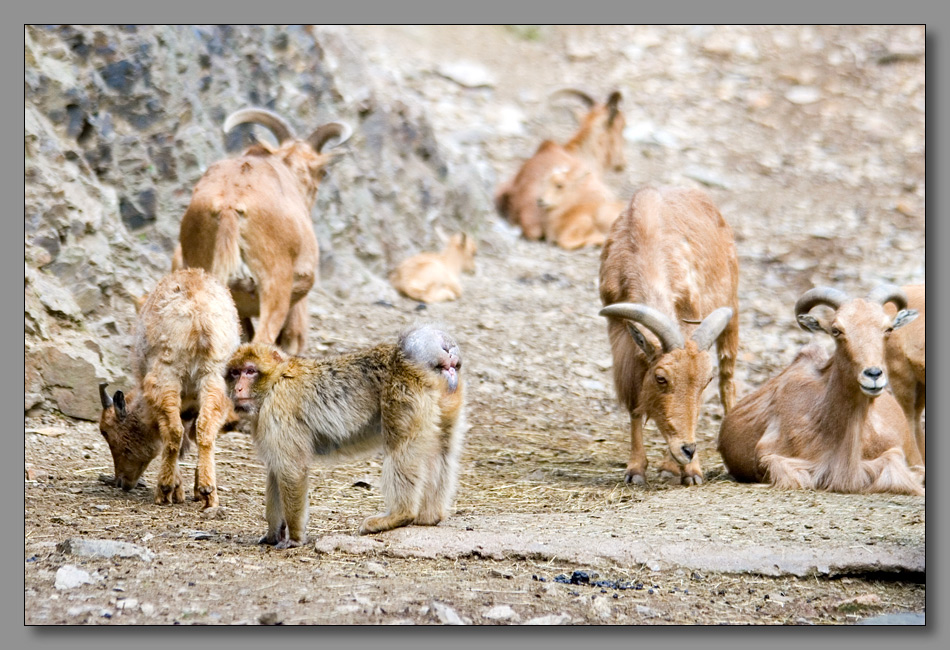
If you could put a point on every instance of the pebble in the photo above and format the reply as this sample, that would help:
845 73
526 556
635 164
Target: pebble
502 613
446 615
803 95
103 548
550 619
69 576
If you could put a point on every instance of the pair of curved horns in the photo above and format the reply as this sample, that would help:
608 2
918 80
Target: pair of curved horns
834 298
666 330
282 131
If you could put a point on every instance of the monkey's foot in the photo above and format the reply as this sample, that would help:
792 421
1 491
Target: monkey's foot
428 519
380 523
289 543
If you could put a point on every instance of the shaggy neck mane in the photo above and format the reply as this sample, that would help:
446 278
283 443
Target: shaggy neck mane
841 420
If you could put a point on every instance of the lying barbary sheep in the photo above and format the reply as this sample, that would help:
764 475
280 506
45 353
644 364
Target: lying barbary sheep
906 363
826 422
598 143
187 329
434 277
578 209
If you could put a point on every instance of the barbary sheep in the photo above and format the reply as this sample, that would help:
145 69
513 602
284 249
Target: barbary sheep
249 225
597 142
578 209
434 277
826 422
669 266
187 329
906 363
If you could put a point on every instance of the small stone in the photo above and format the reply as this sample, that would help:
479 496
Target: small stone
803 95
501 613
269 618
69 576
550 619
446 615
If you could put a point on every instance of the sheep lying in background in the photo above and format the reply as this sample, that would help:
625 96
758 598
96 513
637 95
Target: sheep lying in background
826 422
186 331
598 143
435 277
249 225
578 209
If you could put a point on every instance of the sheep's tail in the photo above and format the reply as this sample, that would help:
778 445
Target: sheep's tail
227 258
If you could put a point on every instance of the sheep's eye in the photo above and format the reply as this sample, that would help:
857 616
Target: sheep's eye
888 331
661 380
835 332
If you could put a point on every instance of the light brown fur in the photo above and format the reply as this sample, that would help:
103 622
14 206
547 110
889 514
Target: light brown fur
672 251
407 398
813 426
906 363
434 277
598 142
578 209
249 225
187 329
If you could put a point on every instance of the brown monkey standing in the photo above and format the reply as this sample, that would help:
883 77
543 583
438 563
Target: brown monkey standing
406 397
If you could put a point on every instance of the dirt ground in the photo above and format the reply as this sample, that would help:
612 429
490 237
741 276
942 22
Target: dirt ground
827 190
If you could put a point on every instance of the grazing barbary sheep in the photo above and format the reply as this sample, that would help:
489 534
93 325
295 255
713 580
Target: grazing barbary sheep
578 208
434 277
249 225
598 142
906 363
187 329
826 422
669 266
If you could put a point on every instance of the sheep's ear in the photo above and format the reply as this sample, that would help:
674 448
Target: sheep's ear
641 340
118 400
811 323
903 317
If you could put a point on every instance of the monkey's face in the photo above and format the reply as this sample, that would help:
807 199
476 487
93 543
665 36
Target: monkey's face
241 380
449 364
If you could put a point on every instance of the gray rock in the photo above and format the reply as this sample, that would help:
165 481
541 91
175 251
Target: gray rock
69 576
904 618
446 615
103 548
550 619
502 613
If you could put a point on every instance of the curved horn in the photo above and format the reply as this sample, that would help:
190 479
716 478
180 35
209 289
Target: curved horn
277 125
820 296
886 293
572 92
323 134
653 319
711 327
104 396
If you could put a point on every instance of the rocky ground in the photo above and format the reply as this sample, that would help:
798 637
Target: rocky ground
810 140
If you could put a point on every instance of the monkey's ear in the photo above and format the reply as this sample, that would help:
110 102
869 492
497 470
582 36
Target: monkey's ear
119 401
277 355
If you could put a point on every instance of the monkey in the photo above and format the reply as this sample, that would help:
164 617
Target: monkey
405 397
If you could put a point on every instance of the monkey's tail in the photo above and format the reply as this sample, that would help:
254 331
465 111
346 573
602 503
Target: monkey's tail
227 245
